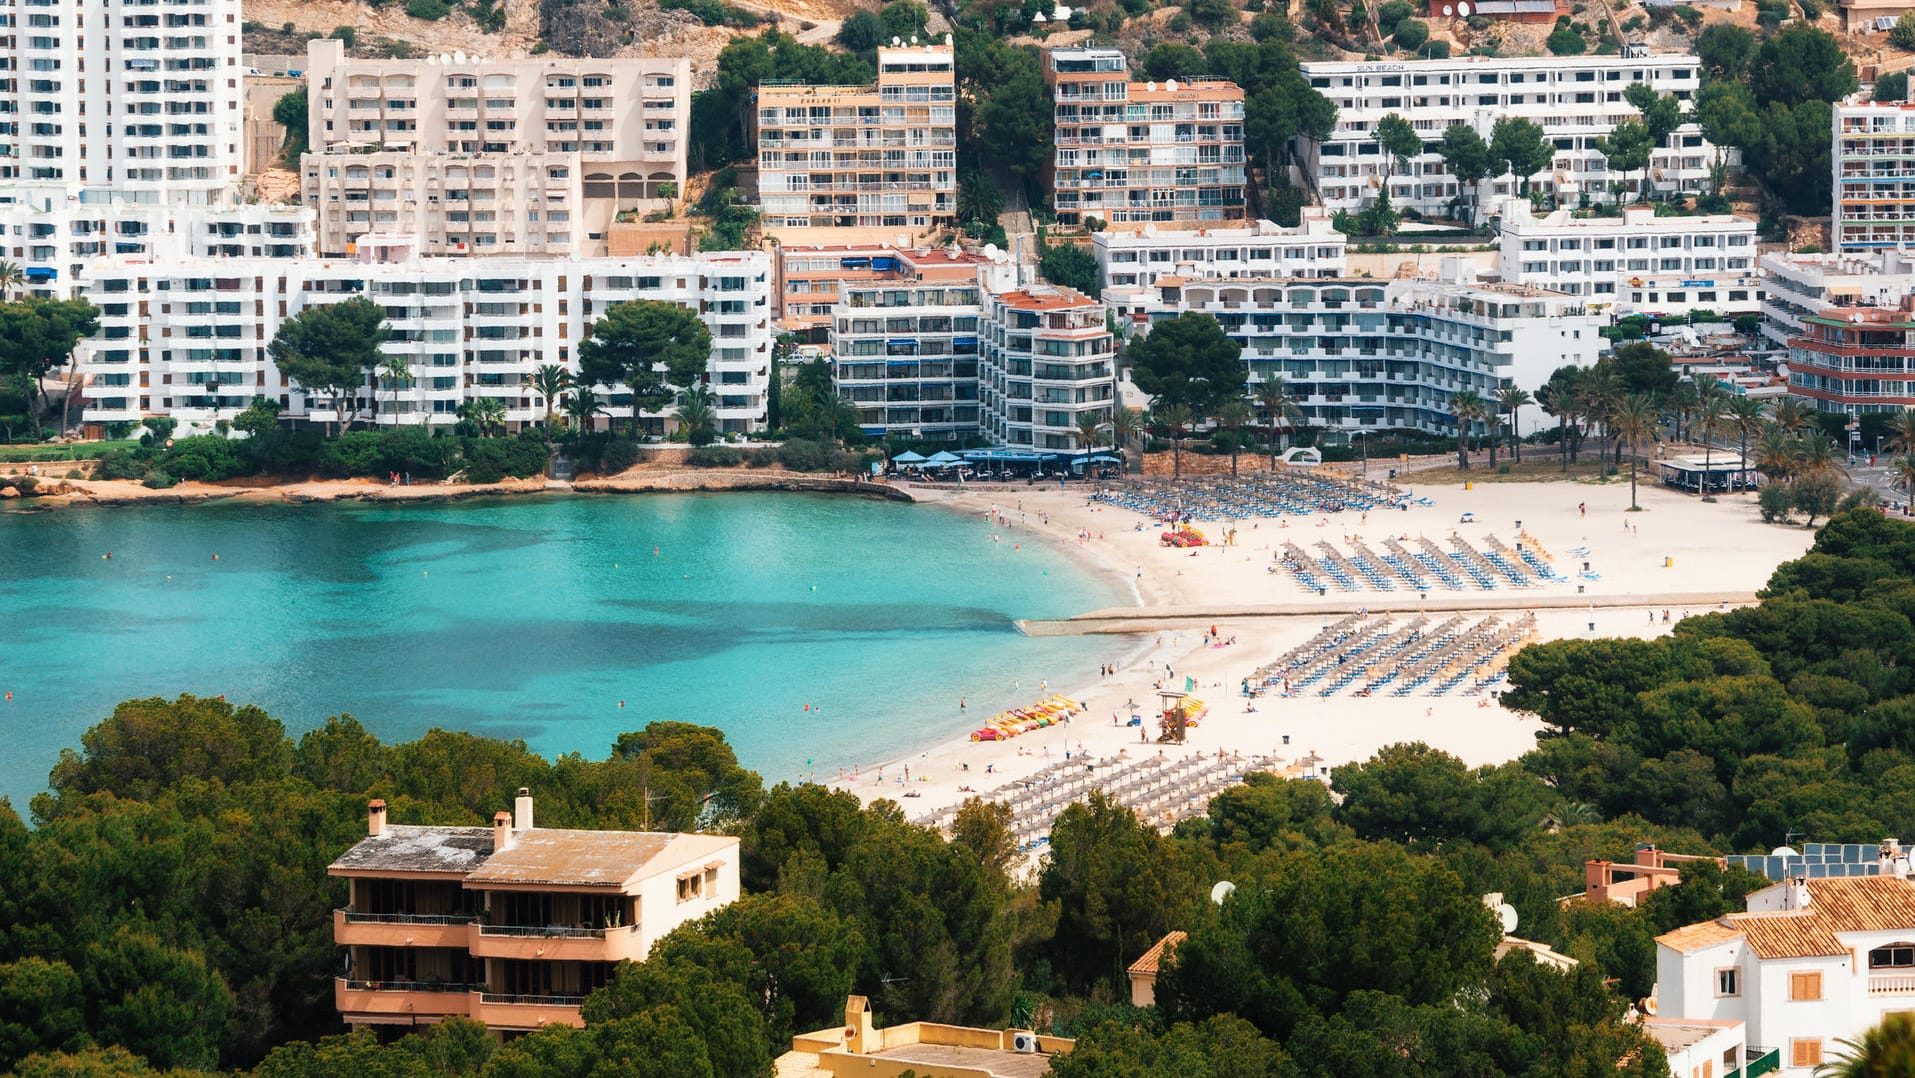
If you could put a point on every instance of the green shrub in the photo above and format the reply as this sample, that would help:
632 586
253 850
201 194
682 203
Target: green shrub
1771 12
75 473
620 454
346 34
1411 34
1271 25
159 481
1775 502
763 456
805 455
25 484
203 458
125 464
1391 14
1689 15
1566 42
432 10
715 456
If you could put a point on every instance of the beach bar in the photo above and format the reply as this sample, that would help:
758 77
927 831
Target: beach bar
1707 475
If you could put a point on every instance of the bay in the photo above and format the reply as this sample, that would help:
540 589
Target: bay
817 632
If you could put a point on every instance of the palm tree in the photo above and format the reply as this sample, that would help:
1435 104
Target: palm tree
581 405
485 413
1557 399
550 381
1790 415
1124 427
1233 415
1466 407
1090 432
1887 1049
397 374
12 277
1901 432
1177 417
1904 472
1601 395
1635 423
1815 456
1509 399
1776 454
1745 415
696 416
1712 416
1279 409
1682 404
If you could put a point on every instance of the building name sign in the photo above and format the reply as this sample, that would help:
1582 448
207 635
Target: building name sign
1377 69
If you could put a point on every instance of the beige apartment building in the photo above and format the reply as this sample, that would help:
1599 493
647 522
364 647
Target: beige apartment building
480 156
878 156
1137 152
511 925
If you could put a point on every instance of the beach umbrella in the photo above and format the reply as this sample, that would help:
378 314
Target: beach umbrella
908 457
942 457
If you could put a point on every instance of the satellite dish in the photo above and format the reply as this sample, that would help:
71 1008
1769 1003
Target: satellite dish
1463 9
947 39
1783 851
458 56
1171 85
1039 17
1507 913
914 39
1151 86
1223 890
990 250
896 40
1448 10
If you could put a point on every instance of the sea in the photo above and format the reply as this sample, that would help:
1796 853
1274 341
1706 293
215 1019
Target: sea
817 632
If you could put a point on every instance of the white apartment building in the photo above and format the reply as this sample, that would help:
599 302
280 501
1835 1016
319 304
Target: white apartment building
113 116
1873 157
1259 249
1636 262
1047 363
905 354
188 338
1797 286
483 156
1576 100
1364 354
877 156
1813 961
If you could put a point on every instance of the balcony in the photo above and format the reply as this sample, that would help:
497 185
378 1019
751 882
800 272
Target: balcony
403 999
526 1012
401 929
1891 984
556 943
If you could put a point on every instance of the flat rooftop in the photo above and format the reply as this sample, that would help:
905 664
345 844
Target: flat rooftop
541 856
993 1061
410 848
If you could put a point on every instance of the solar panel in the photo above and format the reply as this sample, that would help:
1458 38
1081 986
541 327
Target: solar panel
1813 849
1819 872
1856 854
1773 867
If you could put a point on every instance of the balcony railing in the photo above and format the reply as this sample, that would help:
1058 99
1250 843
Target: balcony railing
1881 984
411 986
536 1001
553 931
353 918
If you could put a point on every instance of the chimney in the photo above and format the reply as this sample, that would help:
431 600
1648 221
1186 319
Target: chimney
376 817
1797 896
501 831
522 811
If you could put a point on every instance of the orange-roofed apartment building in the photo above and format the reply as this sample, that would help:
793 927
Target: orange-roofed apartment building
511 925
1813 961
1136 152
1046 364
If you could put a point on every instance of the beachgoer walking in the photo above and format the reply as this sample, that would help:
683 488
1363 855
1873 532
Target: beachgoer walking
1582 508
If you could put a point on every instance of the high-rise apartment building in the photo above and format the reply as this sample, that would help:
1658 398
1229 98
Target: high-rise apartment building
1577 100
1362 354
113 116
1131 152
905 354
480 156
1257 249
1046 364
1873 156
877 156
188 338
1635 262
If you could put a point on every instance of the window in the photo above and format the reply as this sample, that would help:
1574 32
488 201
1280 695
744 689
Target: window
1806 987
1805 1052
1728 982
691 887
1896 956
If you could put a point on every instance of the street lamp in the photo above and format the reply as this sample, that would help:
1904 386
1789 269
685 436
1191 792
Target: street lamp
1354 435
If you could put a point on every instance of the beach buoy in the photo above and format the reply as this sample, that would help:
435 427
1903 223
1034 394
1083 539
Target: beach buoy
654 552
621 703
9 694
807 707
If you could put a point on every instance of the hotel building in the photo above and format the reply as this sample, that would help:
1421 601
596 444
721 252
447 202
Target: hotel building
1363 354
877 156
905 354
1577 100
1811 962
511 925
1873 157
1855 360
811 280
1258 249
481 156
1799 286
1132 153
113 117
188 338
1046 364
1636 262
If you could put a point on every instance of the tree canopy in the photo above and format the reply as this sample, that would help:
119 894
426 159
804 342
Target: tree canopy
1187 360
653 347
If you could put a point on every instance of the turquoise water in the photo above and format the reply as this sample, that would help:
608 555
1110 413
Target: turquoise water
535 618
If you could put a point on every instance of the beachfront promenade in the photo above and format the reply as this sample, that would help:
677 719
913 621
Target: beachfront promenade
1137 619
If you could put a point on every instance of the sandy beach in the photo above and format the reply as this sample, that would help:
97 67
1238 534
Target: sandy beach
1678 554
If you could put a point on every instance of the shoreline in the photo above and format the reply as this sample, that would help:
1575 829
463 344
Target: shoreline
1677 557
111 493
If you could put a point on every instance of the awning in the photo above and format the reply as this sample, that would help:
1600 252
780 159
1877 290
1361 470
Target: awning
908 457
901 342
943 457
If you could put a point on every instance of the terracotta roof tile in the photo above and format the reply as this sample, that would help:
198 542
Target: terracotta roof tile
1860 904
1154 957
1796 934
1695 937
